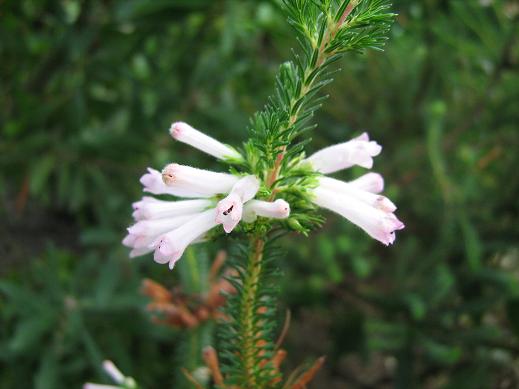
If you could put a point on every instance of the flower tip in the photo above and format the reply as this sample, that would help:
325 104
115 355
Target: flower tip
367 164
370 182
376 149
129 240
137 253
364 137
377 182
384 204
168 174
283 208
228 227
146 178
177 129
162 253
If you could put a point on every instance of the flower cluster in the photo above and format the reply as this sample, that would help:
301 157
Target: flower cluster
168 227
213 198
358 201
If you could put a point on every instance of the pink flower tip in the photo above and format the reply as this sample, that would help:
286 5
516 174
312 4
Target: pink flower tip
178 128
364 137
283 208
169 173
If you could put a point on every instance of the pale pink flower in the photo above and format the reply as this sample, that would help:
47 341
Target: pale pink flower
151 208
359 200
358 151
170 246
113 371
229 210
152 183
115 374
142 234
168 227
183 132
278 209
348 189
193 182
378 222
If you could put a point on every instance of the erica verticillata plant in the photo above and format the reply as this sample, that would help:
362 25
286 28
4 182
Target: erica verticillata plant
271 186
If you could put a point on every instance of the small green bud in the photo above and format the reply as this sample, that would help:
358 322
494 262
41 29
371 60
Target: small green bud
295 225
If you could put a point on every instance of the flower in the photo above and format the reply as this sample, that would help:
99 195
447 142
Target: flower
229 210
188 181
115 374
183 132
357 200
144 233
358 151
151 208
113 371
278 209
152 183
350 190
168 227
172 245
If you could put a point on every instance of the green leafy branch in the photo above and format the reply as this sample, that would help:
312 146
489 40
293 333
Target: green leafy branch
326 29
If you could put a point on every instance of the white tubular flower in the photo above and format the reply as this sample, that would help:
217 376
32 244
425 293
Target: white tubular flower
89 385
116 375
378 223
142 234
370 182
193 182
113 372
344 188
151 208
183 132
229 210
170 247
358 151
152 183
278 209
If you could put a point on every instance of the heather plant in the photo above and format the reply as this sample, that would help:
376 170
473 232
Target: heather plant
87 86
272 187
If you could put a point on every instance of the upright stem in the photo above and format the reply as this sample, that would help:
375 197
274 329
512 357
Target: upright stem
322 55
249 306
251 282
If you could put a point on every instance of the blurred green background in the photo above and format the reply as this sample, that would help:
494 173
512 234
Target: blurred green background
88 90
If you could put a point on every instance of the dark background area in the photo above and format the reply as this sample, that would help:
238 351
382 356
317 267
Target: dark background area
88 90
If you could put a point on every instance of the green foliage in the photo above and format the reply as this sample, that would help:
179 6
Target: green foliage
326 29
88 90
247 338
53 314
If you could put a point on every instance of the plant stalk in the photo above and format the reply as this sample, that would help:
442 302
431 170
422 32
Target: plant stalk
255 266
250 291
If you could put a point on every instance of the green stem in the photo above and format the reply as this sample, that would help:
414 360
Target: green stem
249 298
322 55
248 309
